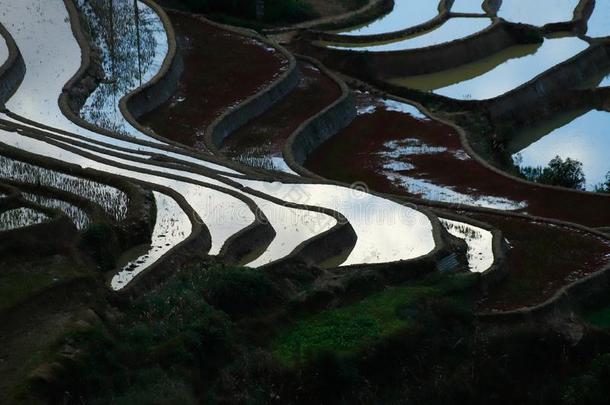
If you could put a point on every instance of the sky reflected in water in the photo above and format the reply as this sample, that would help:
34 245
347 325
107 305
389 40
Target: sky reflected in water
455 28
537 12
406 13
467 6
586 139
599 22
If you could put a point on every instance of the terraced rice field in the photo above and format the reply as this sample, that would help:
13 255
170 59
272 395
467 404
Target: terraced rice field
164 139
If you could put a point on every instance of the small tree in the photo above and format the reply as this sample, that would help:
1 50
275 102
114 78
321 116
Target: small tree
564 173
604 187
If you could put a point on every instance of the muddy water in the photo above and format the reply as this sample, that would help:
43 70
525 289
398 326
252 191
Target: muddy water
453 29
467 6
599 22
260 142
221 70
539 12
584 136
406 14
511 73
393 148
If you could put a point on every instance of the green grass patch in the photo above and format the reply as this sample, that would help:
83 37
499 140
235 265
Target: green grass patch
348 330
20 281
600 318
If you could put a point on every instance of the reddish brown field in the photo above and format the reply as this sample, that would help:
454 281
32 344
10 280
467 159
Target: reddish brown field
264 137
356 154
221 69
541 260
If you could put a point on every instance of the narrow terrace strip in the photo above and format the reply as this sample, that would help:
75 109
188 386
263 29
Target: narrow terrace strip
223 214
394 148
260 142
221 70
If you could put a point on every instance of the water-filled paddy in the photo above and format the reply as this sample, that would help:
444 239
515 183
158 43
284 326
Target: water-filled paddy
599 22
78 216
20 217
467 6
132 54
223 214
480 243
3 51
453 29
387 231
585 138
43 33
111 199
511 72
539 12
406 14
172 227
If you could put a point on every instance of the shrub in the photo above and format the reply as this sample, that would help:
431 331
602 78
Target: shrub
239 291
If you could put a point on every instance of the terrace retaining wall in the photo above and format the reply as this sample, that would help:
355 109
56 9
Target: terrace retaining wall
256 104
12 70
382 65
529 101
319 128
